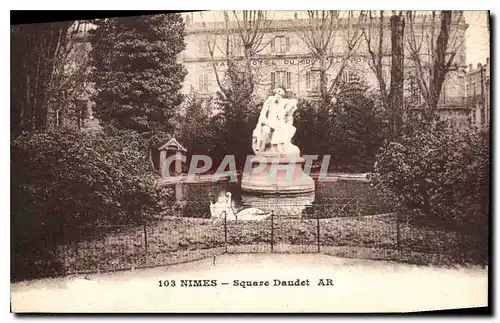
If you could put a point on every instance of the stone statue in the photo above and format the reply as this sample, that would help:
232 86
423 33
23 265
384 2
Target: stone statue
272 143
274 130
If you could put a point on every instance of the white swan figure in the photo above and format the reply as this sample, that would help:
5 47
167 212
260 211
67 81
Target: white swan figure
218 209
252 213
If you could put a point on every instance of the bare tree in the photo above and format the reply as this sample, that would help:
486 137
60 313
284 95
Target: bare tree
396 94
71 76
320 36
244 30
374 32
34 51
241 39
50 71
432 43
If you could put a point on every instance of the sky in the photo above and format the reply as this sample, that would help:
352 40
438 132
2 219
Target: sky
477 37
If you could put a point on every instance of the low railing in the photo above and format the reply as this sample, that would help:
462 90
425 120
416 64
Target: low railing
173 240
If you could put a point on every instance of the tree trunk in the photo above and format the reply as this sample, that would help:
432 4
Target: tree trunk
440 67
396 95
324 95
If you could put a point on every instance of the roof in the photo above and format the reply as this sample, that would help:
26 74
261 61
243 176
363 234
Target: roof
173 144
294 24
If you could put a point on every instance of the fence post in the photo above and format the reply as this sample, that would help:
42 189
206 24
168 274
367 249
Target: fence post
398 235
272 230
77 250
317 231
145 240
463 246
225 233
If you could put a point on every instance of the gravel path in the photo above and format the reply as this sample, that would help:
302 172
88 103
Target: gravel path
358 286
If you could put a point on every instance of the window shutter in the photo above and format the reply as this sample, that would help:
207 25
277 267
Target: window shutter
287 44
273 79
201 47
346 76
308 80
203 83
288 80
273 45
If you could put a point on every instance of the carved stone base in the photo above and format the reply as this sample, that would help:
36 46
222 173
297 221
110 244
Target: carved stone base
282 175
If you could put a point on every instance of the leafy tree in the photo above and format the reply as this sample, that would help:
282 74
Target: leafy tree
358 126
195 127
136 75
239 114
314 128
351 130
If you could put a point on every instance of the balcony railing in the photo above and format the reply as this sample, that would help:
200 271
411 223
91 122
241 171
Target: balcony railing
475 100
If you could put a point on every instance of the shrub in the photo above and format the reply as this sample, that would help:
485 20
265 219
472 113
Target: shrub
65 179
441 173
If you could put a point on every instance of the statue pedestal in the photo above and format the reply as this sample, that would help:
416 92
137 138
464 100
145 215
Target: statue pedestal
282 175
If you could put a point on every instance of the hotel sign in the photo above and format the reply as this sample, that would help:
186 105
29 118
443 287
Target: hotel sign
262 62
304 61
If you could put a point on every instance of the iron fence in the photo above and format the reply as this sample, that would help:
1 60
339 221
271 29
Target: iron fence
174 240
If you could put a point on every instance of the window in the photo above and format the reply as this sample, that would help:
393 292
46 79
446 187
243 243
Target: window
443 94
58 118
280 45
82 110
238 47
313 80
345 76
281 79
418 40
203 48
203 85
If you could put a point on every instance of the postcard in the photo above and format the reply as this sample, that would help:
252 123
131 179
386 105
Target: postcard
259 161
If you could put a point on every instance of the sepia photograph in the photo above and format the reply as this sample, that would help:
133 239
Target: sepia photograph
250 161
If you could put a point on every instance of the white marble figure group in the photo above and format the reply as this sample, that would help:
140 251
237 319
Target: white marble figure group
274 130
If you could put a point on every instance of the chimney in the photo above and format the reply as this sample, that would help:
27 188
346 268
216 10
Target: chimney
470 67
478 65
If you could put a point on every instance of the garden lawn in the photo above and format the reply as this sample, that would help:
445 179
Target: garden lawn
178 240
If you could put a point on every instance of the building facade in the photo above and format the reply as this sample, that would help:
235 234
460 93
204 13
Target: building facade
284 60
478 94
